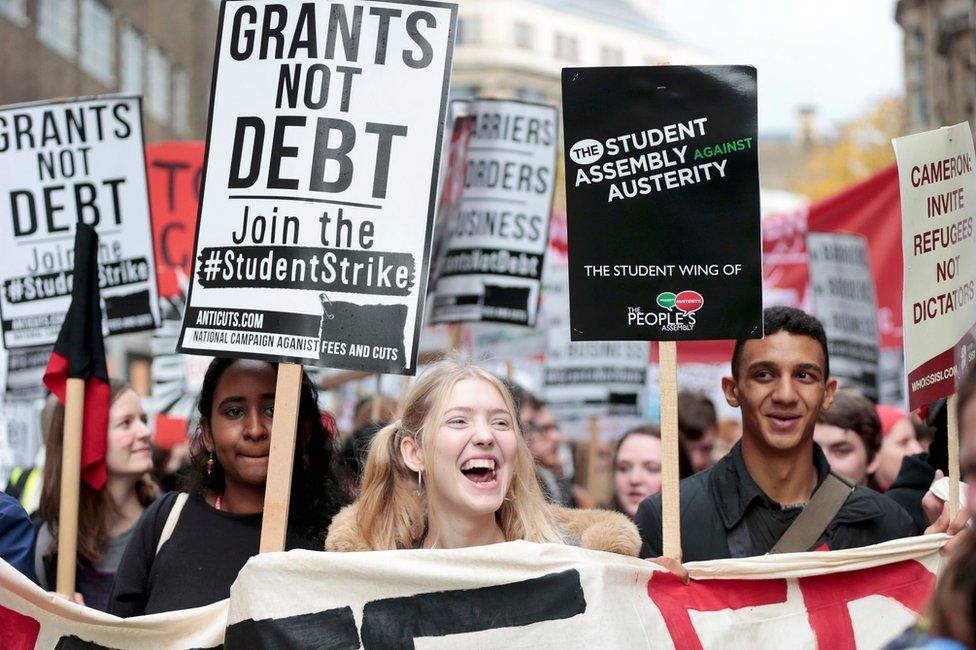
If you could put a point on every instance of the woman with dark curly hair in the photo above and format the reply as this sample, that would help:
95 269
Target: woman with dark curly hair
189 547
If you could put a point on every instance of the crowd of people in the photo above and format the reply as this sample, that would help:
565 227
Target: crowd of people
469 459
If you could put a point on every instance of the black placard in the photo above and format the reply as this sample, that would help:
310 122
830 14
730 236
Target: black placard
662 193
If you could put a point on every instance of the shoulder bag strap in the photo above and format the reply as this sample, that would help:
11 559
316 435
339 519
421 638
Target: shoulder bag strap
171 520
807 528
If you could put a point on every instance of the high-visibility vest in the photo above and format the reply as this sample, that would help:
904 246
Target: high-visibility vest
25 486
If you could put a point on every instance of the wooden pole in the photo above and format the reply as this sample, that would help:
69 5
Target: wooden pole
671 506
404 389
374 410
591 455
455 336
74 416
952 424
509 370
277 491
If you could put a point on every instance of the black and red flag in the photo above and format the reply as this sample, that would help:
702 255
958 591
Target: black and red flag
80 353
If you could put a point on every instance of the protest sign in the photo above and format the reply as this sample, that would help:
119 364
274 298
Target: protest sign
938 189
843 300
515 594
490 267
451 183
174 171
65 163
662 195
319 182
603 379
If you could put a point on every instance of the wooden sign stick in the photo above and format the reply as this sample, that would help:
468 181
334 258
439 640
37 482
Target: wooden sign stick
74 416
404 389
374 411
670 502
591 473
952 424
277 491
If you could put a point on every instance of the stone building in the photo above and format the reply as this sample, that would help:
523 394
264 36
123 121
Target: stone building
516 49
160 49
940 61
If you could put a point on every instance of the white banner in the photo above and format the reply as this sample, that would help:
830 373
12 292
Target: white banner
319 184
516 594
491 264
937 183
65 162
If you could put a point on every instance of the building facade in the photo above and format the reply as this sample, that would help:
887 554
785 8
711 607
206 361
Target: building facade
160 49
940 61
516 49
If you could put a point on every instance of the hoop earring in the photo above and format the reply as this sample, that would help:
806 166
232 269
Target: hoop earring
210 464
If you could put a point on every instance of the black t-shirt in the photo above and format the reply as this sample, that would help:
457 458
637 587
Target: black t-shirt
195 567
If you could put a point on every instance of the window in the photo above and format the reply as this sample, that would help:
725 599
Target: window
132 61
468 31
611 56
157 95
15 10
181 102
567 48
56 25
920 108
464 92
98 41
523 36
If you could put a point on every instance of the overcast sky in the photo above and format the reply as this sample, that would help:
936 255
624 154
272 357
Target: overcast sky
841 56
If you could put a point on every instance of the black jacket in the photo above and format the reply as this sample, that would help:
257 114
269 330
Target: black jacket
718 503
913 481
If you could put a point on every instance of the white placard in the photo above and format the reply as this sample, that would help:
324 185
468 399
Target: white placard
65 162
937 183
320 180
844 300
493 254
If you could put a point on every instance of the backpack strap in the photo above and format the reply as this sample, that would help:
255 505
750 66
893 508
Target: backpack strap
171 520
810 524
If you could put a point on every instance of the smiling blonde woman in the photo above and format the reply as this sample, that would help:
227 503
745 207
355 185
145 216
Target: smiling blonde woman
453 471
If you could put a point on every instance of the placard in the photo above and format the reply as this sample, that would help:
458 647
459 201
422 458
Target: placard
319 187
605 379
937 183
65 162
844 301
662 194
175 170
495 242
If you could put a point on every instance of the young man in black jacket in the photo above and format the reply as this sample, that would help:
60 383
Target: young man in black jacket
744 504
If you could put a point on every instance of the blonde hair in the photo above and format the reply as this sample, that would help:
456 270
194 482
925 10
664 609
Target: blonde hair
391 514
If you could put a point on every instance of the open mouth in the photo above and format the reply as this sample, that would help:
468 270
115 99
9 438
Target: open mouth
481 472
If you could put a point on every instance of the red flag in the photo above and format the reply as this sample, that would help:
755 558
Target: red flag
80 353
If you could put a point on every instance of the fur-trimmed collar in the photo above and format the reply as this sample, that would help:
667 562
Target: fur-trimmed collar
597 530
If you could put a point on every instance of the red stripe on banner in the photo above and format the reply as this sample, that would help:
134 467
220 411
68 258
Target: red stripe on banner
94 433
675 599
17 631
826 597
